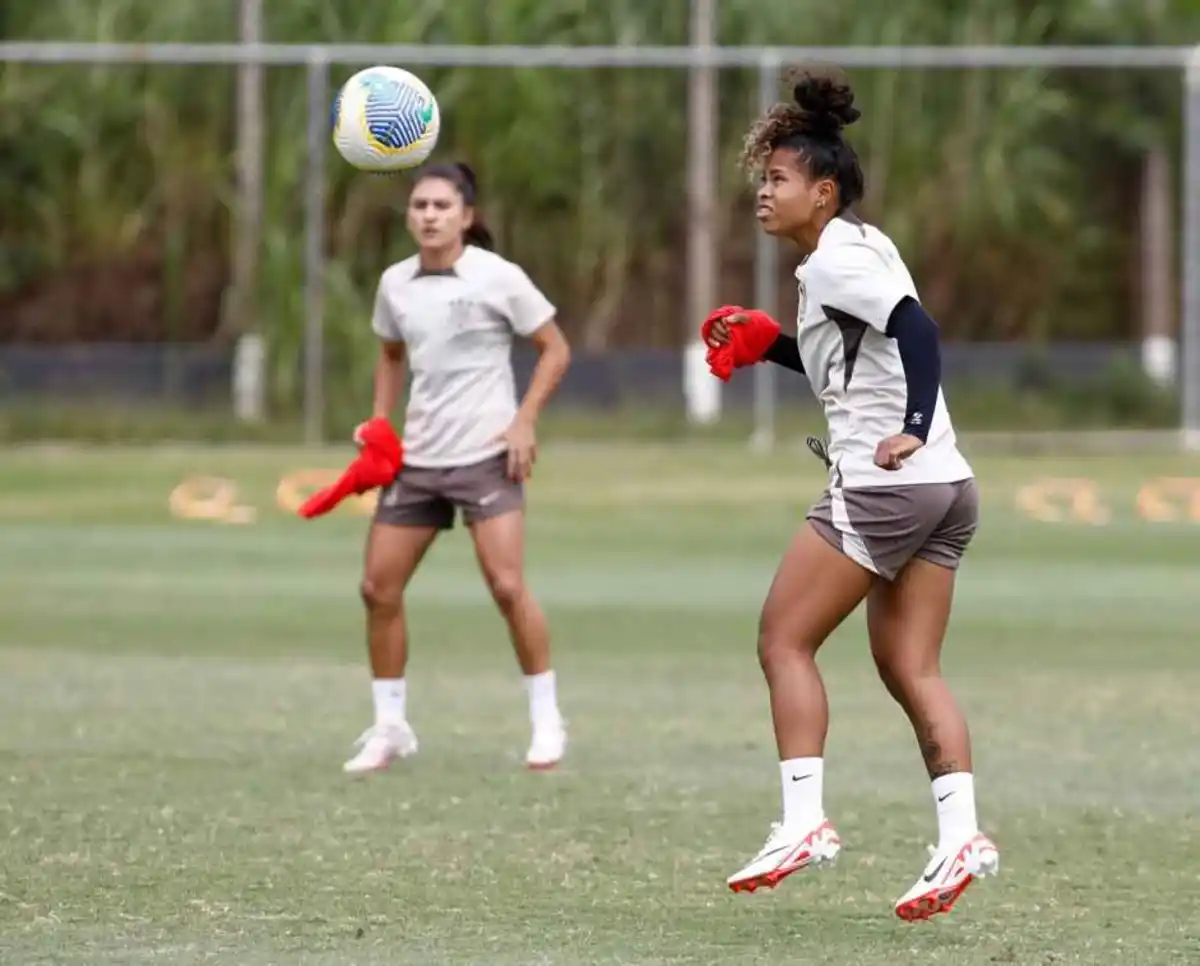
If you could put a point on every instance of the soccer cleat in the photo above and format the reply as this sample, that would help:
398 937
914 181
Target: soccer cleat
548 746
787 850
946 877
379 746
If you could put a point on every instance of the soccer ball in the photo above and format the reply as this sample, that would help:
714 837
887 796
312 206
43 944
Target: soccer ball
385 119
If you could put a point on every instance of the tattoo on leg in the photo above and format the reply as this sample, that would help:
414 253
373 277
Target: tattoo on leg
935 763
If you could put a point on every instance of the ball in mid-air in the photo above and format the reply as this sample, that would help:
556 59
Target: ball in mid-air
385 119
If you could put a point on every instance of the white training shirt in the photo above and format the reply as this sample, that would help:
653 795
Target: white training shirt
458 326
848 288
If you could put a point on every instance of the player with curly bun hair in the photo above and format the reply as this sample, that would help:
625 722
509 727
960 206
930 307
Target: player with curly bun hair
901 505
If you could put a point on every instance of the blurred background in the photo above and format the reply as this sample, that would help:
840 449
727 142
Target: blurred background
179 237
186 262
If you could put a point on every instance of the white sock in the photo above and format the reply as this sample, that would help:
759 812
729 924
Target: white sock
803 782
390 696
543 698
954 797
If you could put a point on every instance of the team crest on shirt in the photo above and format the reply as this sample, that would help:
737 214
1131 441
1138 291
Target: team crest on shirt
470 316
465 313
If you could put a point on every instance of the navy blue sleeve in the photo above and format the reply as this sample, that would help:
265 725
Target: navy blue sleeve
785 351
917 338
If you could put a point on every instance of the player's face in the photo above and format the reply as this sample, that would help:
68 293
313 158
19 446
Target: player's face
437 216
789 201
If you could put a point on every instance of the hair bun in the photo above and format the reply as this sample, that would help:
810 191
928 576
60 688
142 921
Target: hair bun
826 99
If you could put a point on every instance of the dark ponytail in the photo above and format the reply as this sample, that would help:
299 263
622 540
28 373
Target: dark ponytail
480 235
463 178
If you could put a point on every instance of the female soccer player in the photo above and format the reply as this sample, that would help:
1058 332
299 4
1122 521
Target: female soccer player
900 509
449 314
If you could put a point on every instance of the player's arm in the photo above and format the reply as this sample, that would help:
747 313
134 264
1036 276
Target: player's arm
393 356
389 377
533 316
785 351
554 358
917 338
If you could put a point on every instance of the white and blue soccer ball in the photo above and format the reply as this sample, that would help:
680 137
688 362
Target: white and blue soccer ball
385 119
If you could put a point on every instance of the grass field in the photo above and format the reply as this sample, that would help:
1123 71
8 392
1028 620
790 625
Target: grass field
176 699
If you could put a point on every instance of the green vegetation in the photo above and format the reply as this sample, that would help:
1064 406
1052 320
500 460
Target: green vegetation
1013 192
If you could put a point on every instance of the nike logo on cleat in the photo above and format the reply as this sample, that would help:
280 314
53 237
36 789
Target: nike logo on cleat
933 875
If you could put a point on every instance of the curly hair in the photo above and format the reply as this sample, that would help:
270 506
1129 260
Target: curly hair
822 106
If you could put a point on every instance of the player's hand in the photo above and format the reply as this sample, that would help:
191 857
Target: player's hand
358 437
522 449
718 335
891 453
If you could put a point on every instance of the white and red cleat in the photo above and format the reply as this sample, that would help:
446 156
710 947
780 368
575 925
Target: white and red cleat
950 870
379 746
787 850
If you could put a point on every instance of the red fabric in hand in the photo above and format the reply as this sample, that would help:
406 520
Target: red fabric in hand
376 465
748 341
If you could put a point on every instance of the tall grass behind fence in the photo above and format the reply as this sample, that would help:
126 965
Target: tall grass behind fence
1013 192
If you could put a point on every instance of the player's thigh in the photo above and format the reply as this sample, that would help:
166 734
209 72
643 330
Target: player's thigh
409 516
393 553
908 615
815 588
907 619
500 549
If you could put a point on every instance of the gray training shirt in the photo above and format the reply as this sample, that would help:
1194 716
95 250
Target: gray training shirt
457 326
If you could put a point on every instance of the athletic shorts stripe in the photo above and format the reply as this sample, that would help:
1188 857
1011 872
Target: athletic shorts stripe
851 542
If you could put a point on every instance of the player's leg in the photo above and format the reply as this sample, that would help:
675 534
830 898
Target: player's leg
494 509
907 621
816 586
407 521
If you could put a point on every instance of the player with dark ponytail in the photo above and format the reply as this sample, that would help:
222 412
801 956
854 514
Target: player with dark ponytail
462 177
900 509
448 315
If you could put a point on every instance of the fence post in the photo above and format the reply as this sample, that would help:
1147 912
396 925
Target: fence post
314 249
701 390
1189 370
766 279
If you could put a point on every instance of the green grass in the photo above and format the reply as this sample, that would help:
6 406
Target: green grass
176 699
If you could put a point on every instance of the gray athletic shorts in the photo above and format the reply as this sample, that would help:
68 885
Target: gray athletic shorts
426 497
883 529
